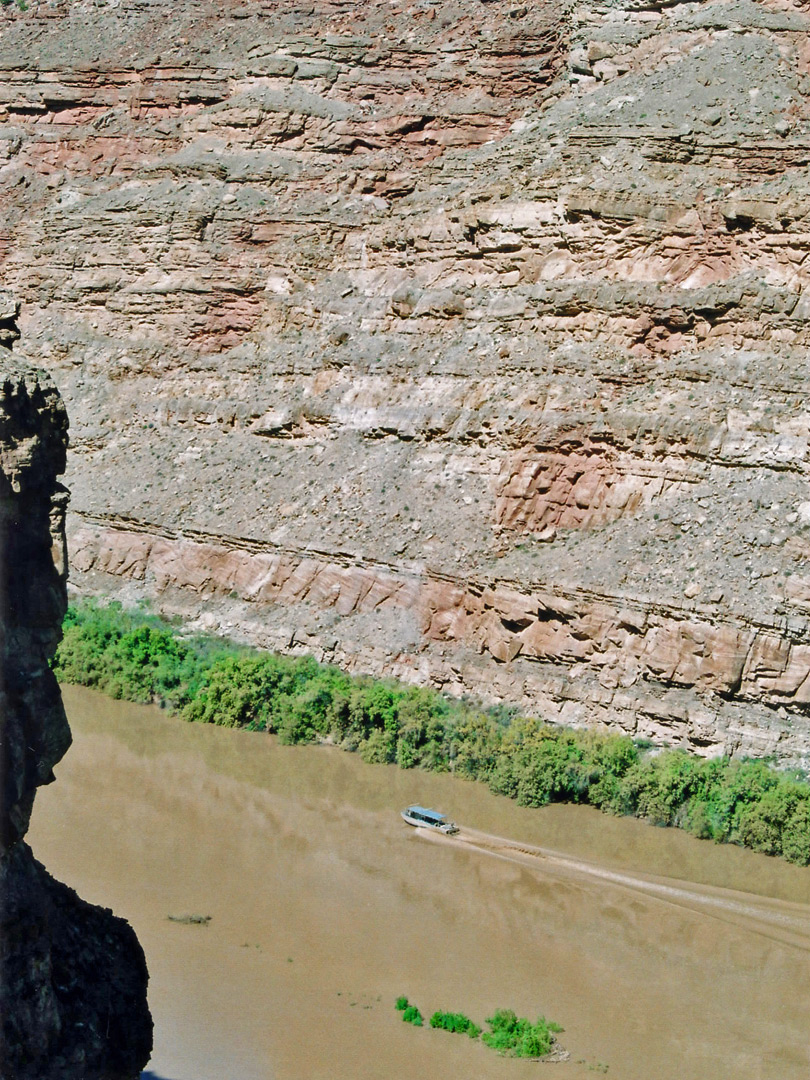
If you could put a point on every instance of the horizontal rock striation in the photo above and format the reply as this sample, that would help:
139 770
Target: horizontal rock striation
505 297
72 976
684 674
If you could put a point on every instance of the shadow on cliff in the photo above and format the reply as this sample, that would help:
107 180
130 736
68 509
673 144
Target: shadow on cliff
153 1076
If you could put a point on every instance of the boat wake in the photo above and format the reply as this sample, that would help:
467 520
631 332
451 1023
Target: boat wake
779 920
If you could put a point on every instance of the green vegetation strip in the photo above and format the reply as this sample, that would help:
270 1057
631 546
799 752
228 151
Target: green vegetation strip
139 657
509 1034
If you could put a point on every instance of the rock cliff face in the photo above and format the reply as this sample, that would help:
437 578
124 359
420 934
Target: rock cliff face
72 976
465 341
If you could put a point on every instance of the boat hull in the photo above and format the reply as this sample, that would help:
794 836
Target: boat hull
435 822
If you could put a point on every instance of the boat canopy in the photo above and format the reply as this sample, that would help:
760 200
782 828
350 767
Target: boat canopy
427 815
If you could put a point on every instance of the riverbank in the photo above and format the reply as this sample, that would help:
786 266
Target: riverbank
322 901
137 656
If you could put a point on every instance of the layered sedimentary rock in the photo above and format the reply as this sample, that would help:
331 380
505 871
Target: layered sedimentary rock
370 316
72 976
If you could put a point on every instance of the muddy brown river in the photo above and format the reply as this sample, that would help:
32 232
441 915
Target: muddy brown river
662 956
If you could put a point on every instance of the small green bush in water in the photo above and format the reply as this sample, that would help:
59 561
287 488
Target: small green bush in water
455 1022
517 1037
509 1034
411 1015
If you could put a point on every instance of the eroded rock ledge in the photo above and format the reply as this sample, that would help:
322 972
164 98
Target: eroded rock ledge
72 976
691 674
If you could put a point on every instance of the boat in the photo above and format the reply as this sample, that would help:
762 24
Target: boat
423 818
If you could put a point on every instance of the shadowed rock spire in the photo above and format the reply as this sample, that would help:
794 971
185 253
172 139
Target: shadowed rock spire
72 976
33 728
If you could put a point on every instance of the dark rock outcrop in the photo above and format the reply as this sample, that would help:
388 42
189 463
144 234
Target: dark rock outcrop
72 976
33 441
73 982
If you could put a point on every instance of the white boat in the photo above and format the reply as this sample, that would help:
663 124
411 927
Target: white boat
423 818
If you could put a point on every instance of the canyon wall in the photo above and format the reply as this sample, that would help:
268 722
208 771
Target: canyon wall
72 976
463 341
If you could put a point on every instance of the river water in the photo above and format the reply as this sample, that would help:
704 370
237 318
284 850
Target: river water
662 956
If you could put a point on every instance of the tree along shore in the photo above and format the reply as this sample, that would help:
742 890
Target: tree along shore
137 656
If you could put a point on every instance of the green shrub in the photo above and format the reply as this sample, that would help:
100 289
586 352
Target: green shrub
657 787
517 1037
455 1022
378 748
401 1003
132 655
411 1015
796 834
474 745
